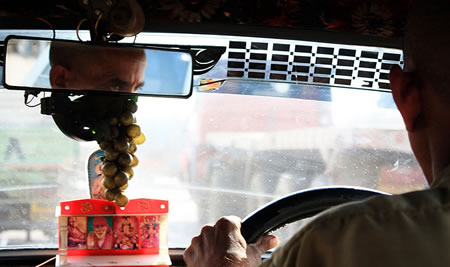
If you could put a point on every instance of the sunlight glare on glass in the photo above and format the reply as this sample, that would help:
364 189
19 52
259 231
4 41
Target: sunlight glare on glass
281 87
185 57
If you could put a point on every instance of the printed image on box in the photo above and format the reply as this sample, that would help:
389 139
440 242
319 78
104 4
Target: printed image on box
126 232
77 232
100 235
149 231
95 175
94 232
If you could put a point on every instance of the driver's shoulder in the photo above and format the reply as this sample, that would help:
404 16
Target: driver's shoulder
363 233
385 208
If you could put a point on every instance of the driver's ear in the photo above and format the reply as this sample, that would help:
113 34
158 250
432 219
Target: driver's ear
59 76
407 96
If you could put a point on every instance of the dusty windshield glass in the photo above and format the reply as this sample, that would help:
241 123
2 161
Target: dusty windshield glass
217 153
210 155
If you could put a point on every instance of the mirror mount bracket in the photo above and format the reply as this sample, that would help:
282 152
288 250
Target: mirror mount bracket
112 20
83 118
54 105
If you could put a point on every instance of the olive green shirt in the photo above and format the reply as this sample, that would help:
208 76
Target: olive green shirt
411 229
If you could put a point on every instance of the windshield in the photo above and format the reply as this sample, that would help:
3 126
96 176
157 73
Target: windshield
217 153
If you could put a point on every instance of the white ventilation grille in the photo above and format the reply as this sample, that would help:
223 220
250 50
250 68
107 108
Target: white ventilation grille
313 63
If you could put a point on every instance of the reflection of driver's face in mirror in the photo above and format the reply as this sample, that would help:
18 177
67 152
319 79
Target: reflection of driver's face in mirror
79 66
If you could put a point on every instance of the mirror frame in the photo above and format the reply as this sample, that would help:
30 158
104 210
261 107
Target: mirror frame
87 91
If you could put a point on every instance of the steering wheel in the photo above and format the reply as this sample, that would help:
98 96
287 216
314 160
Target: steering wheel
297 206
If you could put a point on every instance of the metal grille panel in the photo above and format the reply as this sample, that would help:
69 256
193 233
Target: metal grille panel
313 63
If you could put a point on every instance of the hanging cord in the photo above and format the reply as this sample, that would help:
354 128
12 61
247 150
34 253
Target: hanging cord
208 83
96 24
47 261
27 101
78 29
67 9
49 24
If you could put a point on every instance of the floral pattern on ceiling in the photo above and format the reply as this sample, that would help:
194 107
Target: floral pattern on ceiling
377 17
372 17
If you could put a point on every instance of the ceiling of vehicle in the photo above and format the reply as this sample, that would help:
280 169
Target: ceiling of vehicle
374 25
382 18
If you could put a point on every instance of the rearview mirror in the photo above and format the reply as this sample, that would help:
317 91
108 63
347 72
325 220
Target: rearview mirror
82 68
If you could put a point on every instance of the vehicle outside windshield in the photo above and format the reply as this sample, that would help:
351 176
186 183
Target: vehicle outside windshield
223 152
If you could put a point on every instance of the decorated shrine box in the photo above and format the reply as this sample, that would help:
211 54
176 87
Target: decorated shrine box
100 233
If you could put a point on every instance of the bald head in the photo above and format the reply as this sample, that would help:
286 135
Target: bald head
71 54
426 42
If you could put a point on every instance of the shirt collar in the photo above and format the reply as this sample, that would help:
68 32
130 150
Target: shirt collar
442 179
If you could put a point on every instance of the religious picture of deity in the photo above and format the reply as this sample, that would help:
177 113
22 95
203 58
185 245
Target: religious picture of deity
149 231
100 234
77 232
126 232
95 175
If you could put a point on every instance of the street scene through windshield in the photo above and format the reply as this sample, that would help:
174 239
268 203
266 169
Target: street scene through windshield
210 155
220 152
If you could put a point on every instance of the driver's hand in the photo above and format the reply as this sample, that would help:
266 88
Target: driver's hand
222 245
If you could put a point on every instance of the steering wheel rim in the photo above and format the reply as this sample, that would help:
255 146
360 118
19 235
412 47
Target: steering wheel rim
297 206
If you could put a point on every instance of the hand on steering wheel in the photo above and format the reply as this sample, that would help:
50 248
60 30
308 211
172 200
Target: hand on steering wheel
223 245
230 243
